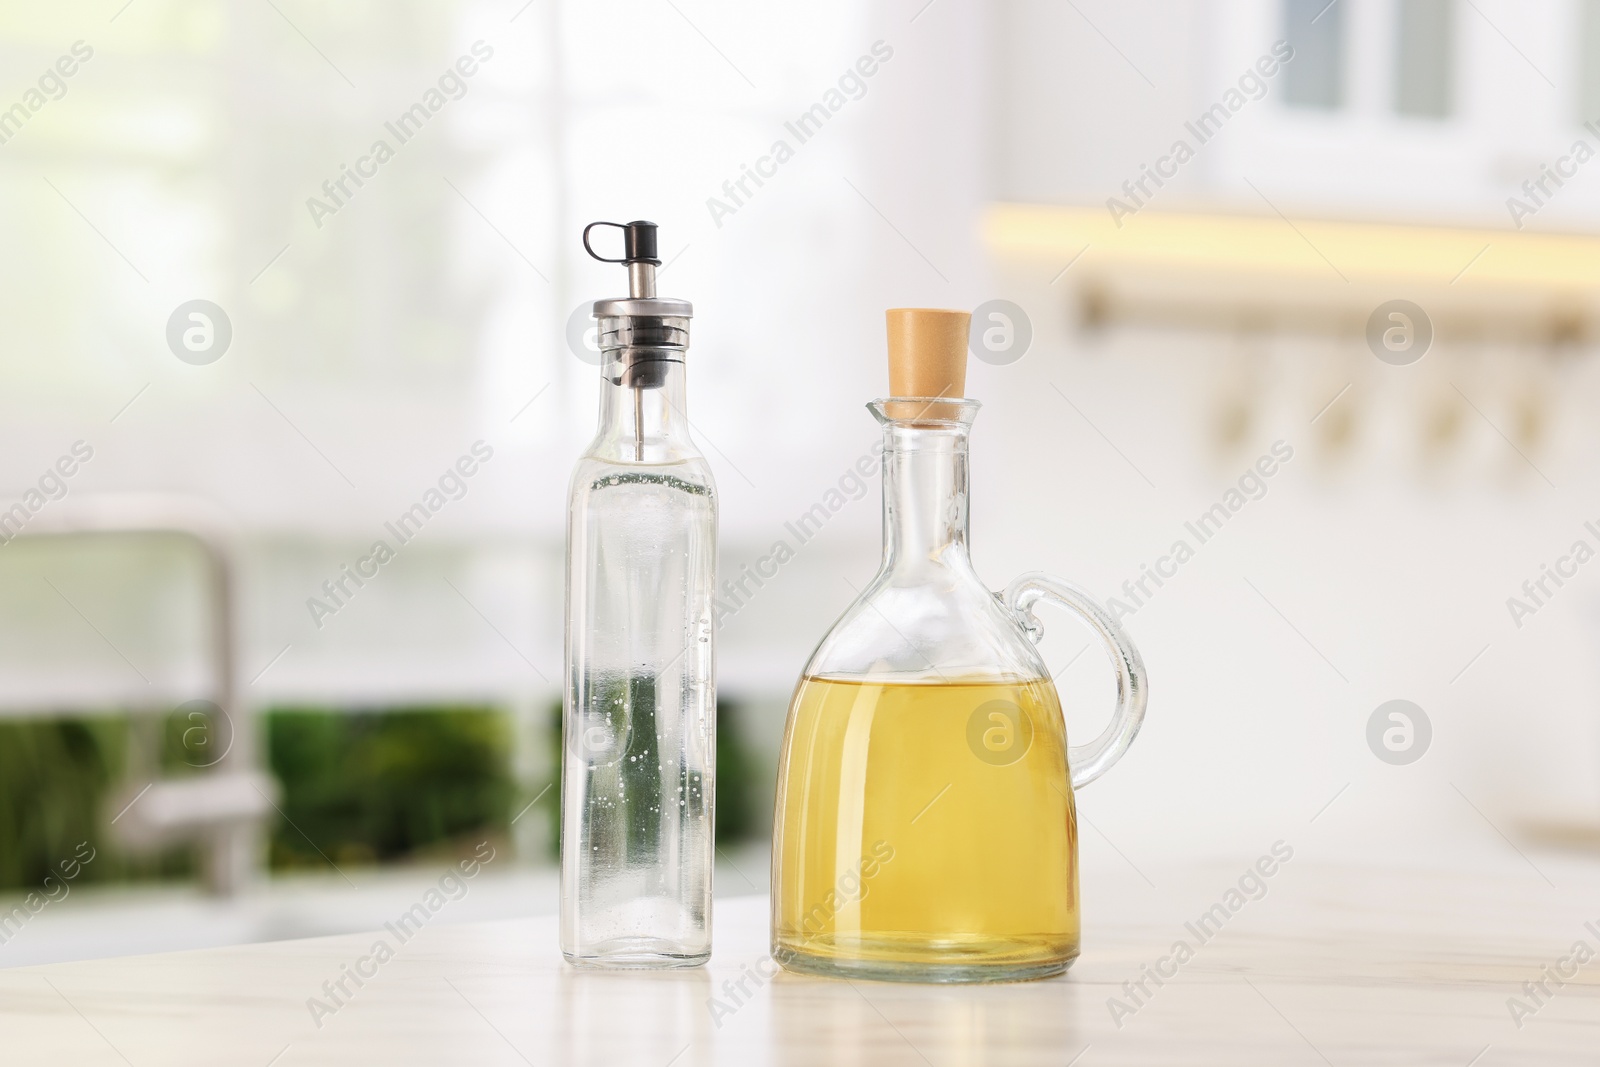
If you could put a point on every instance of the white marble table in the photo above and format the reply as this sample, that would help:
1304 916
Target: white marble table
1333 965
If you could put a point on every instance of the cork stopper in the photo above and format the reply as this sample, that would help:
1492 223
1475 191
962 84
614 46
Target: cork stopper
927 357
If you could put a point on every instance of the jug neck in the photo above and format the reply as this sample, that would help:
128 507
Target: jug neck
925 482
644 424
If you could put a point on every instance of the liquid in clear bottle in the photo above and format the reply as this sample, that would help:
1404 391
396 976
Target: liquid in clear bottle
639 714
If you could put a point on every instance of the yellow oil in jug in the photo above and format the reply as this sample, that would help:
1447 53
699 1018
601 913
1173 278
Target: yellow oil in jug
927 831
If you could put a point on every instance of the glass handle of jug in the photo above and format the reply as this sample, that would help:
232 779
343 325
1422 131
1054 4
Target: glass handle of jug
1088 762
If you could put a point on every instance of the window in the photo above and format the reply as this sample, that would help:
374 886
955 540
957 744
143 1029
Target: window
1315 29
1424 57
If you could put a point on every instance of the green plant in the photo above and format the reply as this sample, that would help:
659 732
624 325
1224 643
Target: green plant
376 786
55 779
359 787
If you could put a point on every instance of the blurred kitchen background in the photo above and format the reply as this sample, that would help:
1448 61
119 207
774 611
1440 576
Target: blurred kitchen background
246 767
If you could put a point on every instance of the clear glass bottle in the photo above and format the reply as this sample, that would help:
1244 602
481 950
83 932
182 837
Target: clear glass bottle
925 826
639 715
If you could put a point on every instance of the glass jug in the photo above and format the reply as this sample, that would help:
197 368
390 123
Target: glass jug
925 826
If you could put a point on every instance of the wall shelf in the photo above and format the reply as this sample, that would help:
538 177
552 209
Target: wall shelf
1316 275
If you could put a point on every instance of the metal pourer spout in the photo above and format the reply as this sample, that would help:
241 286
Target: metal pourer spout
642 279
640 333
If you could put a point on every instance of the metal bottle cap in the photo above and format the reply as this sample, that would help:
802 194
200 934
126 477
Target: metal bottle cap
640 333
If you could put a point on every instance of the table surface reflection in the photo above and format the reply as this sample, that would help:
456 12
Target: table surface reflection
1331 964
